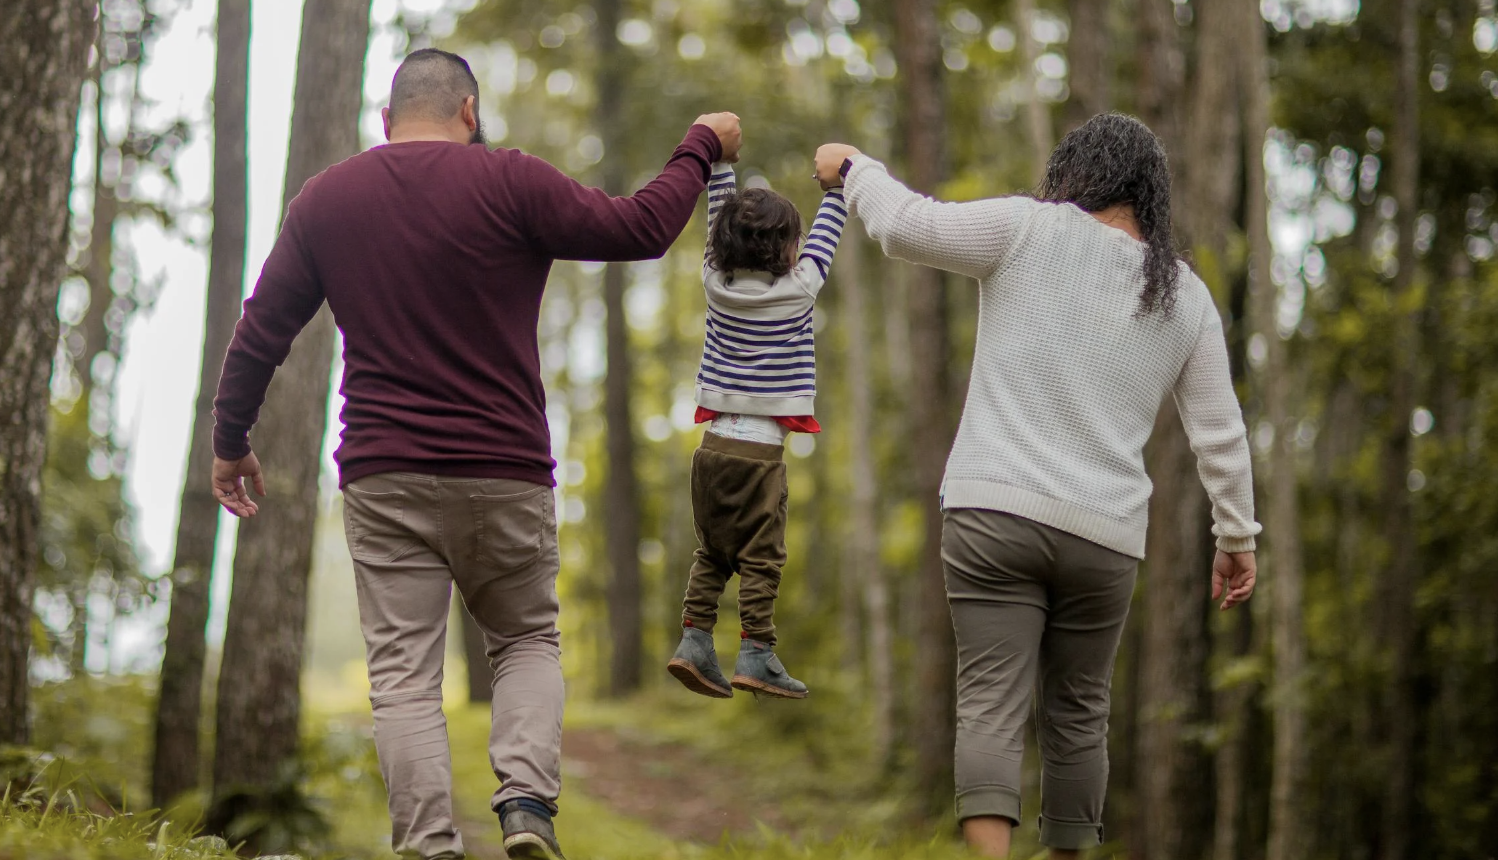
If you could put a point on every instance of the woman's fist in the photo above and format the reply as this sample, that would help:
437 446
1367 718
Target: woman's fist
830 158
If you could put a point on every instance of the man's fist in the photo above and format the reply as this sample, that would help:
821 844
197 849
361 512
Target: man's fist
726 126
228 484
830 158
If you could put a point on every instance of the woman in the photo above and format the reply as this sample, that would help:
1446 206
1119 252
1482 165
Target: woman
1087 320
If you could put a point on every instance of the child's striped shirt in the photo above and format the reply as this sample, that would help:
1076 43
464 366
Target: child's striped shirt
758 357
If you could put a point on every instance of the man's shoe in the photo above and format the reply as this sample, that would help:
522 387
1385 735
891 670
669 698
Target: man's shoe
695 665
528 831
760 671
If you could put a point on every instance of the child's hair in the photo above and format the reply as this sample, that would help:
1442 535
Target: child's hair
754 231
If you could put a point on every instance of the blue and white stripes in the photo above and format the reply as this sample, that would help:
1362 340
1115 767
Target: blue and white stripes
759 357
826 230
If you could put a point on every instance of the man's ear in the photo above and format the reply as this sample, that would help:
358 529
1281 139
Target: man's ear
385 118
470 112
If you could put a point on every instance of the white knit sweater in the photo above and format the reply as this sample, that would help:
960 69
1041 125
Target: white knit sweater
1066 379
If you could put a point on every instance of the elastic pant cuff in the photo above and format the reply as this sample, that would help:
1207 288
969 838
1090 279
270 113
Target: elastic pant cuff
699 622
1069 835
760 634
988 800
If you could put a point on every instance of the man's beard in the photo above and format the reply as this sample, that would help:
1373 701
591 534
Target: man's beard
478 135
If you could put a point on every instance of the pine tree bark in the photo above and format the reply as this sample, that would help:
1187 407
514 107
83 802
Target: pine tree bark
479 673
42 69
259 696
1283 571
863 520
622 486
176 764
1089 76
922 112
1399 579
1174 791
1037 115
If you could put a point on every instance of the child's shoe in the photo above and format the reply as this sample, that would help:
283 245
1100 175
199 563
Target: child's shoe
760 671
695 665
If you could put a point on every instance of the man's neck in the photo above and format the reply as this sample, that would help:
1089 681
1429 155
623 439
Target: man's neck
411 132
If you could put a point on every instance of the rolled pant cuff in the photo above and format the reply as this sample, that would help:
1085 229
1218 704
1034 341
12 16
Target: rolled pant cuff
988 800
761 634
699 622
1069 835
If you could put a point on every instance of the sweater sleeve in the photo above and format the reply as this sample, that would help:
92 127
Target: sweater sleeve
286 297
720 186
1214 424
570 221
826 231
970 239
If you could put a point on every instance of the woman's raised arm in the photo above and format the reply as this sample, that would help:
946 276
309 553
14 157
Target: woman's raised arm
970 239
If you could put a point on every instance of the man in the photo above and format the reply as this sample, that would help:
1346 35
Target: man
433 255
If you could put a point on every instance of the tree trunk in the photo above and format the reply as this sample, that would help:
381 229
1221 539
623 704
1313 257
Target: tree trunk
921 109
1174 791
479 673
259 697
622 487
1283 571
863 519
1037 115
1399 577
42 70
1090 75
175 768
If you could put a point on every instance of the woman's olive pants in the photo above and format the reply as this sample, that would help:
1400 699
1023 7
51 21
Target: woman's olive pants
1032 607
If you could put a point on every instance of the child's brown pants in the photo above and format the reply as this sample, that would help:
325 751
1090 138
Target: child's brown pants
738 510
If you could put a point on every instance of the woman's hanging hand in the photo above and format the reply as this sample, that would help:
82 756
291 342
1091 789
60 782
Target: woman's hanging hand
1233 572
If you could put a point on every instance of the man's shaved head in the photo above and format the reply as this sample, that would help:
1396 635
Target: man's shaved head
431 85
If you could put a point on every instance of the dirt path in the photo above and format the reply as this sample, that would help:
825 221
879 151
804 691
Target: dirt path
672 787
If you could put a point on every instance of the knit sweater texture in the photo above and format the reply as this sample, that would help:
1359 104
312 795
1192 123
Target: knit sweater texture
1068 377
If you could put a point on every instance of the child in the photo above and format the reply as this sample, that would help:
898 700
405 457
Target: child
756 384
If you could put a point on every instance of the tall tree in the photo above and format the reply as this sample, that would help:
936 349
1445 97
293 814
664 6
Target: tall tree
1037 115
1090 75
259 697
42 69
622 490
1174 790
1399 577
923 114
175 766
862 555
1283 570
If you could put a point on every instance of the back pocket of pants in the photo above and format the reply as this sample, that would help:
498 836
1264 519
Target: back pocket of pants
374 524
510 529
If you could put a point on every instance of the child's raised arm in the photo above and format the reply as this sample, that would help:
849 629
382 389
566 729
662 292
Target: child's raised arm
719 186
826 230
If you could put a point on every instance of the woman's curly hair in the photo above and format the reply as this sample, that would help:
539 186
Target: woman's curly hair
755 231
1114 158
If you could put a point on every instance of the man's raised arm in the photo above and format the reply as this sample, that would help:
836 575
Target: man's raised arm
570 221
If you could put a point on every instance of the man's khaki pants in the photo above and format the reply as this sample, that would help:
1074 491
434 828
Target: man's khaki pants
411 538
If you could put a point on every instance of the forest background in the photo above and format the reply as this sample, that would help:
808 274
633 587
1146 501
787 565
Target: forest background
1335 167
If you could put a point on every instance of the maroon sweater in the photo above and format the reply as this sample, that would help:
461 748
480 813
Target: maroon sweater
433 257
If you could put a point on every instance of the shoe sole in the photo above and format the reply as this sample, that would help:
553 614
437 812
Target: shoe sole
694 680
754 685
529 846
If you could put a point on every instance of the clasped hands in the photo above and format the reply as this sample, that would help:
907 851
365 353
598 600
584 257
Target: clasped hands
829 157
